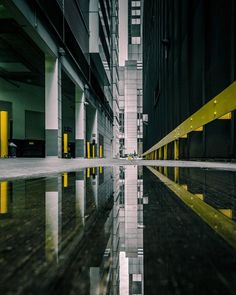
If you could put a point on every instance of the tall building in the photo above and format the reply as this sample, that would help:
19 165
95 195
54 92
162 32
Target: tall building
131 106
58 77
189 69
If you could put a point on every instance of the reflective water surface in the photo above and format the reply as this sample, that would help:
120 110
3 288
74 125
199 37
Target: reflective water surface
119 230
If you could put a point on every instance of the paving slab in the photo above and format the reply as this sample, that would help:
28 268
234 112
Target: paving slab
33 167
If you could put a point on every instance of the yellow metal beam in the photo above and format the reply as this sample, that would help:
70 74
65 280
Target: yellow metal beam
160 153
176 149
226 117
165 152
221 224
217 107
3 134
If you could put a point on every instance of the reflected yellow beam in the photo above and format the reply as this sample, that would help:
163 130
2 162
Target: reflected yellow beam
200 196
3 134
100 170
3 198
227 212
184 186
166 171
65 179
220 105
222 225
184 136
176 174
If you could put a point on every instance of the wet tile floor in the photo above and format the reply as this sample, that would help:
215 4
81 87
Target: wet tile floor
119 230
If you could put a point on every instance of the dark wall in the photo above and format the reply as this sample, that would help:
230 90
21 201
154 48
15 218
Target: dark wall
189 57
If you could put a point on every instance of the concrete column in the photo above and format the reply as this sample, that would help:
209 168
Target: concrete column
80 123
53 219
53 106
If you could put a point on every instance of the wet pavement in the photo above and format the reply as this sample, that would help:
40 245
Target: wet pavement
119 230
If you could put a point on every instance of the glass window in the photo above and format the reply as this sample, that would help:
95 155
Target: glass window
135 21
136 12
136 40
135 3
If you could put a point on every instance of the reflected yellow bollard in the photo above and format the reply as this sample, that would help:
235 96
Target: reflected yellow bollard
4 134
88 172
3 198
65 180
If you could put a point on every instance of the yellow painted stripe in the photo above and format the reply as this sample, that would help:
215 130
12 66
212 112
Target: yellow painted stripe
222 225
217 107
4 134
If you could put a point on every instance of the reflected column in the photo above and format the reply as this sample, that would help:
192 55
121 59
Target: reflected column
80 196
53 218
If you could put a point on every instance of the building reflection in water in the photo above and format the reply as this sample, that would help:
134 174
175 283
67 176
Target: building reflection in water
131 231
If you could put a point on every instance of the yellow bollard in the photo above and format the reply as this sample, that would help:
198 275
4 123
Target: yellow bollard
100 151
88 150
65 143
93 151
4 134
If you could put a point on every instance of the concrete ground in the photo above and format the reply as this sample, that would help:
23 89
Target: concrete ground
28 167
